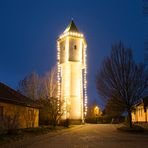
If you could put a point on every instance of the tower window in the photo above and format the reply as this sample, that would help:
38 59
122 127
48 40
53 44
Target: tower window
75 47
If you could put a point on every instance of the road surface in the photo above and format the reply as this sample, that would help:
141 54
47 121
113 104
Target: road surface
90 136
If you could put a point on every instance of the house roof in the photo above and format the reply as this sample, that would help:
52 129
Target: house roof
10 95
71 27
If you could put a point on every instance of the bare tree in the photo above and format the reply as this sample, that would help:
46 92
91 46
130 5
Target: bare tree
55 111
50 83
114 108
145 12
50 90
44 90
50 112
146 52
29 86
121 79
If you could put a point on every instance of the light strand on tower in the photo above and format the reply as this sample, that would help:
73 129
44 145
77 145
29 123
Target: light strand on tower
75 34
58 75
85 83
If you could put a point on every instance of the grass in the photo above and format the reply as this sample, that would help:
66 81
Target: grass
7 136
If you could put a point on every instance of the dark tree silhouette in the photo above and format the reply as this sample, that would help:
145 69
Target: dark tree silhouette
146 52
113 109
121 79
145 12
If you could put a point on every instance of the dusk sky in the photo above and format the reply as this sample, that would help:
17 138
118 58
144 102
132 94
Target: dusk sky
29 29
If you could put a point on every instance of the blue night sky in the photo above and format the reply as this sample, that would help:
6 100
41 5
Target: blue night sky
29 29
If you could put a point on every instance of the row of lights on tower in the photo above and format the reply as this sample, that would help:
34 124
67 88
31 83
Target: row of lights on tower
75 34
58 74
85 83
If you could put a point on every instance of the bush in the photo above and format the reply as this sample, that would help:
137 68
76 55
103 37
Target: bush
65 123
93 120
104 120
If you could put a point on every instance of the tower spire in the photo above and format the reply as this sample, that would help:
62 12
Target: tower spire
71 27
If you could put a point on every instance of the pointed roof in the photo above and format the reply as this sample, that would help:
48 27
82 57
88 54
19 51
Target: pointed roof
71 27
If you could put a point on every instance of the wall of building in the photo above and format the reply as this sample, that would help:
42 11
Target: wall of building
19 116
76 91
72 49
139 114
71 90
63 51
75 49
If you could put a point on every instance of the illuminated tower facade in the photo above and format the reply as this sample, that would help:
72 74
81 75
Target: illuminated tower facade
72 70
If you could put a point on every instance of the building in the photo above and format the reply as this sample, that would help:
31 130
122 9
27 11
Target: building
72 69
140 111
16 110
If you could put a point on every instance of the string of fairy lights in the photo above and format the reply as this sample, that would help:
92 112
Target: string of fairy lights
83 79
75 34
85 82
58 75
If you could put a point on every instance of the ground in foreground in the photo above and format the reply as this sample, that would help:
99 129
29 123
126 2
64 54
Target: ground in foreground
87 136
